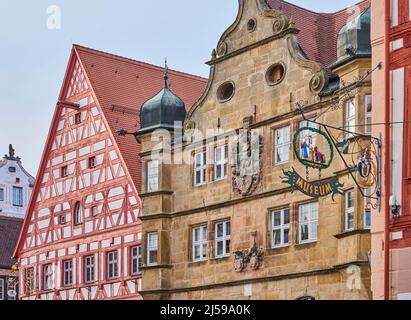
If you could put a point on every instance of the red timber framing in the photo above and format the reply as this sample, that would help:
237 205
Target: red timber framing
85 203
400 57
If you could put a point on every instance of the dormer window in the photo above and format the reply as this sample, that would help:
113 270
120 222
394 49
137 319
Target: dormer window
12 169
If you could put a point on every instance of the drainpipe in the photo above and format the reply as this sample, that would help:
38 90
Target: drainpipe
387 151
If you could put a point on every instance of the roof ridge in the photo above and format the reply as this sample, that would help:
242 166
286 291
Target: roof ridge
321 13
142 63
354 5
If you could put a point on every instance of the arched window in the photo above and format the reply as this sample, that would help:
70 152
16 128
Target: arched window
78 213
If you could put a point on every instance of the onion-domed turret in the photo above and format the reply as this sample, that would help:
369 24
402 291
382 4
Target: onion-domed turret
354 39
164 111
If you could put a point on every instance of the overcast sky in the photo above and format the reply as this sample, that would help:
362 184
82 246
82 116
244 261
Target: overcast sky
33 58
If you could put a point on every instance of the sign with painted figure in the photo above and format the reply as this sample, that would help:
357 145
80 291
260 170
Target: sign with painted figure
314 149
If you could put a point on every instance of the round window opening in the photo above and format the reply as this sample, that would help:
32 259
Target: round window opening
225 92
275 74
251 25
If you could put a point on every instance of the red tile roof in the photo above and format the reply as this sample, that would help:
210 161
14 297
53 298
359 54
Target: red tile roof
122 85
9 234
319 31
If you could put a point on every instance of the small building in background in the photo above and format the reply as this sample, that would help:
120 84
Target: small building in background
16 185
9 232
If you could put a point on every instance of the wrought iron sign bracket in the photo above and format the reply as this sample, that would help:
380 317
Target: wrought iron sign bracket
365 162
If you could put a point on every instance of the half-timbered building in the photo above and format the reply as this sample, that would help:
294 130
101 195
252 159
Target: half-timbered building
81 236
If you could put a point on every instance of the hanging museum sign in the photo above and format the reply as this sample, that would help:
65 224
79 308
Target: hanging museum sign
316 189
314 149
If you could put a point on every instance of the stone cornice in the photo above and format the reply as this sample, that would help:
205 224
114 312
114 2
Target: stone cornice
312 273
347 234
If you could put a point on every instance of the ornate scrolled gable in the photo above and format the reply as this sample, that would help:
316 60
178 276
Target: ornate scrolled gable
275 25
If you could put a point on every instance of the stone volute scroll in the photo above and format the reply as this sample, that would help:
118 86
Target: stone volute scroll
246 159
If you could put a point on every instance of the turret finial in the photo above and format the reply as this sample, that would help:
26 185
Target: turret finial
166 74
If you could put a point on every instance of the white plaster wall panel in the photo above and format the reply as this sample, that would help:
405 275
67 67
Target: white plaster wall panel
99 145
116 192
84 151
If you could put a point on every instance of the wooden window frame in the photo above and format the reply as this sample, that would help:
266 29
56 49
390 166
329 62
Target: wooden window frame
202 168
199 243
67 274
153 176
223 162
139 260
309 223
224 238
283 145
282 227
348 210
112 262
152 249
87 266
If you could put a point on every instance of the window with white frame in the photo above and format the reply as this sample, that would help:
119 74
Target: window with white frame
152 175
48 277
280 228
220 162
200 168
368 114
17 196
89 269
78 213
222 239
308 222
350 121
1 194
67 273
200 239
135 260
395 13
2 288
112 265
152 248
282 145
349 211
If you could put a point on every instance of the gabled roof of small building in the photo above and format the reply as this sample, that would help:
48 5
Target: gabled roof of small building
319 31
9 234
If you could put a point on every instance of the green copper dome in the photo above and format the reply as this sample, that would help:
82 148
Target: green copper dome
354 39
162 111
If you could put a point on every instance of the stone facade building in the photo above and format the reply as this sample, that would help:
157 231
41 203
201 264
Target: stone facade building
215 227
